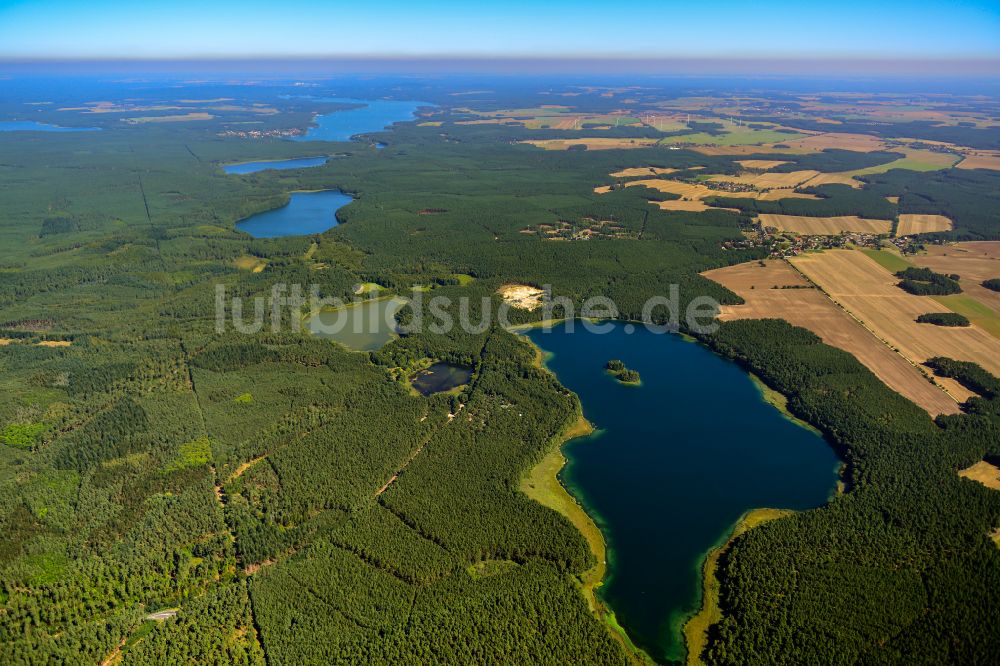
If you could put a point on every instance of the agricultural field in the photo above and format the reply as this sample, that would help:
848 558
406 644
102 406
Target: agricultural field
776 290
825 226
910 224
869 293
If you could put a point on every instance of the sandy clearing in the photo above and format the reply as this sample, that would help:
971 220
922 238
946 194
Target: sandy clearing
910 224
760 164
825 226
521 296
811 309
869 292
983 472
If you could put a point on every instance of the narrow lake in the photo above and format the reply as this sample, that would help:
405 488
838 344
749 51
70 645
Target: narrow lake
374 116
32 126
305 213
672 466
364 326
295 163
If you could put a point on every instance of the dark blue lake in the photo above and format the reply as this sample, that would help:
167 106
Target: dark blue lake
306 213
32 126
375 116
673 465
295 163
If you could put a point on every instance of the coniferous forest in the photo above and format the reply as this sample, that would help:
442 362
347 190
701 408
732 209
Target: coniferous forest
286 500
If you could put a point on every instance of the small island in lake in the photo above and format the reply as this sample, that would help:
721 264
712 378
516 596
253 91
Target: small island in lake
621 373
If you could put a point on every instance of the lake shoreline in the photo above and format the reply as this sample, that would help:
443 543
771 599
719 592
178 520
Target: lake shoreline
697 624
557 462
542 484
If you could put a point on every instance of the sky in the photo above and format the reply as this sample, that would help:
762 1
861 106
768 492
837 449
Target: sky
874 29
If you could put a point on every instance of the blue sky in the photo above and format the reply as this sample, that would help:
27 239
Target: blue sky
666 28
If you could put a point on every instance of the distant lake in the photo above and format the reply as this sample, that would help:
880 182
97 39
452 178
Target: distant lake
364 326
441 377
673 465
375 116
305 213
32 126
295 163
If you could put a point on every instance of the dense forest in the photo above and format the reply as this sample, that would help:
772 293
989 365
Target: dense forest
295 502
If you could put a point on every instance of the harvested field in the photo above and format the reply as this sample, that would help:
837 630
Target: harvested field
693 206
861 143
774 195
894 200
760 164
869 292
53 343
592 143
979 159
689 191
984 473
521 296
910 224
602 189
825 226
810 308
179 118
633 172
975 262
770 180
834 179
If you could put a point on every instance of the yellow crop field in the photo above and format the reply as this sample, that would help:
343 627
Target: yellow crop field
868 292
825 226
767 294
910 224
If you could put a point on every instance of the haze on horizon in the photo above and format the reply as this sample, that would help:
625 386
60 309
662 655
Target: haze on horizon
781 31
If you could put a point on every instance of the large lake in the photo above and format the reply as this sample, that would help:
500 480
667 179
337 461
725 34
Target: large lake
305 213
673 465
374 116
32 126
280 165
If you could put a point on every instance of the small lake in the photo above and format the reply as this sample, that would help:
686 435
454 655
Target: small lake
364 326
305 213
32 126
673 465
441 377
295 163
374 116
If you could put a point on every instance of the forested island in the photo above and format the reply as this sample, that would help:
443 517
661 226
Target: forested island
624 375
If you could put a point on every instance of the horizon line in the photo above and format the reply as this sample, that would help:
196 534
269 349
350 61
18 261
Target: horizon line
965 66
